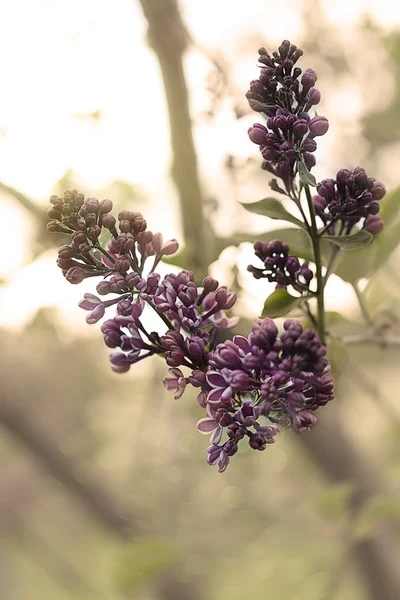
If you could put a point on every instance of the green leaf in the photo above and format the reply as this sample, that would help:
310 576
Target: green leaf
279 303
365 262
358 240
141 561
305 176
274 209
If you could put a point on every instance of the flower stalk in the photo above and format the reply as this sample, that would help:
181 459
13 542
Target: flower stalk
315 241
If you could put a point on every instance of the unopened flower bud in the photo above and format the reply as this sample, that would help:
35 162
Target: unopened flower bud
170 247
105 206
258 134
318 126
373 224
75 275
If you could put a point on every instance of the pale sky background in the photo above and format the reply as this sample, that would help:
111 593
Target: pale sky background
63 59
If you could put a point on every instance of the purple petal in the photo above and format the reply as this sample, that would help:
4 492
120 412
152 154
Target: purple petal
206 425
217 435
216 380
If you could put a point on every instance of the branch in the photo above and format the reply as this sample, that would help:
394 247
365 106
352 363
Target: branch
377 340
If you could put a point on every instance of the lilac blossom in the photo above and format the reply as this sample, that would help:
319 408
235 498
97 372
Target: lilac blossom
351 198
280 267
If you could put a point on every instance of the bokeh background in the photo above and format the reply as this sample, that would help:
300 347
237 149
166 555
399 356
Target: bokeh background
104 489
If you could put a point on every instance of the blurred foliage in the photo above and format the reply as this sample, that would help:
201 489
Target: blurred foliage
140 561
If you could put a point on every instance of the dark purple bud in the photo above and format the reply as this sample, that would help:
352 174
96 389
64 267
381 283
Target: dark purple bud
300 128
378 190
318 126
309 160
308 80
342 176
257 134
209 284
313 98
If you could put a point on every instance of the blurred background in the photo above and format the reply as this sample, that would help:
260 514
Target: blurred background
104 488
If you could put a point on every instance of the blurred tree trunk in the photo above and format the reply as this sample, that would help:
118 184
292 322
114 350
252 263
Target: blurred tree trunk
169 38
93 494
328 445
375 554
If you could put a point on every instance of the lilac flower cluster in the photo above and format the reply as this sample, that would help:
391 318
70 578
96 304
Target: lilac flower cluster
280 267
246 385
250 385
348 199
285 95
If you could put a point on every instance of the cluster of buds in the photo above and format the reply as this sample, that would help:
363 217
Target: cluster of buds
246 385
87 221
288 138
280 267
348 199
252 385
281 84
285 95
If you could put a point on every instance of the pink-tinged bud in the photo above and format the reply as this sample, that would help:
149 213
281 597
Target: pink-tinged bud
103 288
170 247
89 302
157 242
108 221
75 275
373 224
96 314
258 134
105 206
91 205
318 126
122 264
66 252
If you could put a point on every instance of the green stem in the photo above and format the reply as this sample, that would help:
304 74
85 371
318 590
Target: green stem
103 251
318 265
363 306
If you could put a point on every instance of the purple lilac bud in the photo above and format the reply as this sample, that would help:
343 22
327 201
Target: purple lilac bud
318 126
349 198
373 224
280 267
